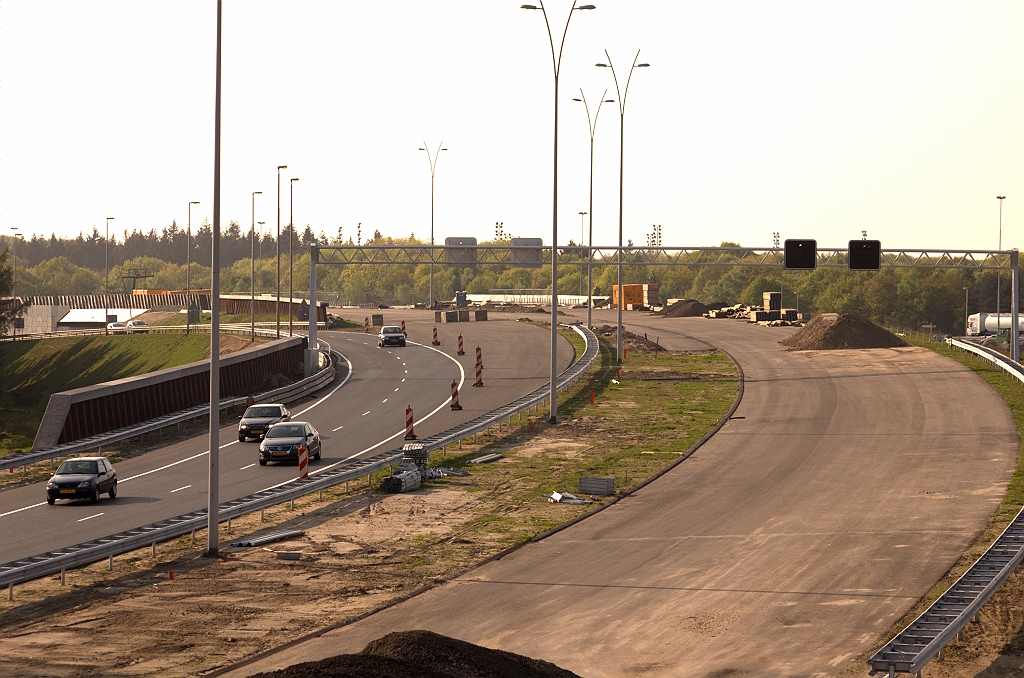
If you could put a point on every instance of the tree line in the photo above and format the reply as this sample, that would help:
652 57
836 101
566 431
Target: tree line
907 297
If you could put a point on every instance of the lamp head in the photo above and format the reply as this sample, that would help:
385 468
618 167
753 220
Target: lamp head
257 192
281 167
294 179
609 101
444 149
1001 197
586 7
195 202
577 99
529 7
110 218
643 65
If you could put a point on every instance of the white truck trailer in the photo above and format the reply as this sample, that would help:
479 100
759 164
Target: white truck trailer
986 323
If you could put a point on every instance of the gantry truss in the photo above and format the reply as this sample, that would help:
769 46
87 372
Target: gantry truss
520 256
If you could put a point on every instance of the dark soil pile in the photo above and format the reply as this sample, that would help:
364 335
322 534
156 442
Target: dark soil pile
423 654
631 343
686 308
515 308
830 331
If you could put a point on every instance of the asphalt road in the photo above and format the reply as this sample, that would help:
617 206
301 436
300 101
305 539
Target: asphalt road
846 485
365 416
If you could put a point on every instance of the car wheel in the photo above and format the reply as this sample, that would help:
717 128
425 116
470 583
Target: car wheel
263 462
96 496
317 455
113 490
50 500
241 438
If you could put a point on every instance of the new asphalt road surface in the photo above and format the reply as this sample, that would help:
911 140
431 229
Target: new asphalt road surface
362 413
846 484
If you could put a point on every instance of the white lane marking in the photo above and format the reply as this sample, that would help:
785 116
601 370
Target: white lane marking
407 372
90 517
385 400
399 357
365 413
343 382
23 508
174 463
180 489
396 387
249 466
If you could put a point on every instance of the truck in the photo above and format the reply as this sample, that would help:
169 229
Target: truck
989 323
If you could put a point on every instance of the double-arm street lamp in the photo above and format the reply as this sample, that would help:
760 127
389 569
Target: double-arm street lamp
252 267
279 168
433 170
262 236
591 128
188 267
291 240
622 94
106 276
556 62
14 261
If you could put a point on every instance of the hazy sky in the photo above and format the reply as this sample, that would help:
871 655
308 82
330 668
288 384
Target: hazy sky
814 119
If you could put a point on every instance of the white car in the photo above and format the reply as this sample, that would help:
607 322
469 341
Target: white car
137 326
116 328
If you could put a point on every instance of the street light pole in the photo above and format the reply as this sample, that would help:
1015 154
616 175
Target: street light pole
291 240
433 169
188 267
999 280
252 267
14 259
622 94
591 128
106 276
556 62
279 168
261 223
967 312
213 498
583 228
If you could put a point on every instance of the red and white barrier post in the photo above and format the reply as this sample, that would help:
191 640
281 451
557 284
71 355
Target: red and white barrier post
455 396
479 368
403 329
461 352
303 462
435 342
366 325
409 435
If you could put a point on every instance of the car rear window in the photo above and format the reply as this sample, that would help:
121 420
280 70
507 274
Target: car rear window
75 466
392 330
262 412
286 431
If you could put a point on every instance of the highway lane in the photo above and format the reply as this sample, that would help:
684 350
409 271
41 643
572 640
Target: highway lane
366 416
847 484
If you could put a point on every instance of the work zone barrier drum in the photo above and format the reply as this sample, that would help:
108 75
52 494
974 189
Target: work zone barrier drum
461 352
366 326
403 329
409 435
479 368
435 342
455 396
303 462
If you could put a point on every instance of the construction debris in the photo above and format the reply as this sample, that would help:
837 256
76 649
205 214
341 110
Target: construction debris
267 538
441 472
564 498
486 458
830 331
406 481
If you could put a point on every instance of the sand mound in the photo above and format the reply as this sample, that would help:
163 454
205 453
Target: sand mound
423 654
830 331
686 308
632 343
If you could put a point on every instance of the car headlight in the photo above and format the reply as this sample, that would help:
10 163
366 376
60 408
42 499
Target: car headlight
85 483
50 485
243 426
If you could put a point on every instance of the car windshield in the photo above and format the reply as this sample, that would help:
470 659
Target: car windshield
75 466
286 431
138 323
392 330
254 412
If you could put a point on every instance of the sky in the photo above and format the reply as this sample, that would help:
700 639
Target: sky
811 119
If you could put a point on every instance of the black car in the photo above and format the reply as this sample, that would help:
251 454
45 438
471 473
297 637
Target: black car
258 418
82 478
391 335
282 442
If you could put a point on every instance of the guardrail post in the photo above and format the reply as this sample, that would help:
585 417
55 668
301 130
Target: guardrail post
110 560
62 580
10 592
154 549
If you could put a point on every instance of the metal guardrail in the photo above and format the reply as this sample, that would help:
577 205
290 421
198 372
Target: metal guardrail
96 550
1004 363
225 328
928 635
285 393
